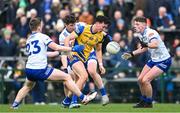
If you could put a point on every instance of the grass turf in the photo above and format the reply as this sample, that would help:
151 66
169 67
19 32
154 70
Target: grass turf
95 108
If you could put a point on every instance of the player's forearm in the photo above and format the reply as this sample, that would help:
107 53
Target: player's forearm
64 48
64 61
57 47
52 54
66 41
99 57
139 51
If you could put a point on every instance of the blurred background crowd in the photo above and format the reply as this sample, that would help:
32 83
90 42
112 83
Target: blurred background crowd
162 15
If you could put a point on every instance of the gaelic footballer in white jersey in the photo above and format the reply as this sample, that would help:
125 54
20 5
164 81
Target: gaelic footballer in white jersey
160 59
37 44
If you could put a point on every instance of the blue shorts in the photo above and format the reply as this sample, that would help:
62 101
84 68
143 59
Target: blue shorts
163 65
76 59
38 74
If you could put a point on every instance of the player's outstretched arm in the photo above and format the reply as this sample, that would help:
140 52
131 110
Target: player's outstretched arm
128 55
99 58
56 47
52 53
72 36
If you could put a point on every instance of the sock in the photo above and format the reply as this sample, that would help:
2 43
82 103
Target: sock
143 97
67 100
103 91
74 99
81 97
15 104
149 100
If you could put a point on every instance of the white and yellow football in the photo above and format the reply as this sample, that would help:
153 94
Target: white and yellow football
112 47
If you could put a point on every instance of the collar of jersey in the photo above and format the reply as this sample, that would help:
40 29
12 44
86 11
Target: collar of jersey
91 30
67 30
145 30
33 33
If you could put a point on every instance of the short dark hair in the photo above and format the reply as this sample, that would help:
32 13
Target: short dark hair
102 19
34 23
140 19
69 19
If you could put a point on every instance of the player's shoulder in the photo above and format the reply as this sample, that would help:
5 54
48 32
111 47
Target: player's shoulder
42 34
64 33
151 32
79 28
80 24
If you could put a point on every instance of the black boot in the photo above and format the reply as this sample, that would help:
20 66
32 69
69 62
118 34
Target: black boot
140 104
148 105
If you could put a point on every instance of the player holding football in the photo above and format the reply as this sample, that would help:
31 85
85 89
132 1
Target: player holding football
160 60
37 69
91 36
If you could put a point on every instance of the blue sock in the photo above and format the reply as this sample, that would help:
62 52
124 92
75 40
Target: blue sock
149 100
74 99
67 100
103 91
143 97
81 96
15 104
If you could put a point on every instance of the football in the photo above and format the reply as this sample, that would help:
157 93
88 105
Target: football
113 47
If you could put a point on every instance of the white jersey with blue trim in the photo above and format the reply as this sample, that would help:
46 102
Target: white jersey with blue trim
66 33
160 53
36 47
63 35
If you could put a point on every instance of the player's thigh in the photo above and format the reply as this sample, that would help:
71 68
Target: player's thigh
153 73
92 66
145 70
79 69
57 75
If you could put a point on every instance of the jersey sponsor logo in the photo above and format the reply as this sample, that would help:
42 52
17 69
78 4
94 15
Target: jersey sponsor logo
65 34
150 34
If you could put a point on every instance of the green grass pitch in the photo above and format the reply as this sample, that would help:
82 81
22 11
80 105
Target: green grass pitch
93 108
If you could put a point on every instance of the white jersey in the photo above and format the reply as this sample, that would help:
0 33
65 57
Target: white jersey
66 33
36 46
63 35
160 53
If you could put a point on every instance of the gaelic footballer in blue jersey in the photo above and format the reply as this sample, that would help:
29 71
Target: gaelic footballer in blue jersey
159 63
37 69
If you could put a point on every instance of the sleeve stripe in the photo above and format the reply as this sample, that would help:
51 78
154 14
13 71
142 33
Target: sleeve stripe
49 43
152 39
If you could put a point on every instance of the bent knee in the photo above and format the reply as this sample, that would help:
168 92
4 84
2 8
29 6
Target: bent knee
140 80
145 81
67 77
29 85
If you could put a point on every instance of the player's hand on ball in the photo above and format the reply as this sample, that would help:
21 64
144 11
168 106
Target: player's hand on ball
127 55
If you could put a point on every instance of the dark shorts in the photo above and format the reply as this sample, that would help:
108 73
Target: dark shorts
38 74
163 65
